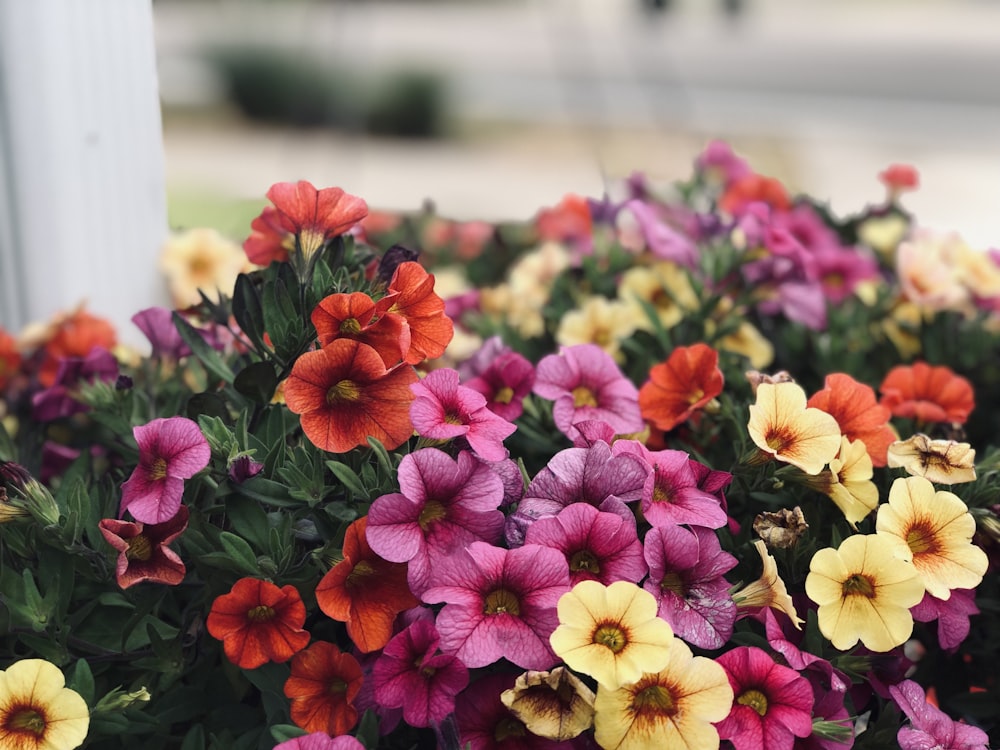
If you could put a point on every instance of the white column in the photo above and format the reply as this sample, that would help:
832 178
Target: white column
82 196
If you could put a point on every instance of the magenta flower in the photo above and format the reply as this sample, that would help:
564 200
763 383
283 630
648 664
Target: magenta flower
662 240
686 568
597 546
443 410
143 551
59 400
504 384
931 728
170 451
579 475
952 616
411 675
444 505
584 383
773 703
719 163
321 741
499 604
671 494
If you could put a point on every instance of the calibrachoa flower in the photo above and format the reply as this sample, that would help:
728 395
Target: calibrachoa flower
321 741
848 481
10 358
930 728
443 410
412 675
485 723
782 427
936 528
143 551
72 334
200 260
864 590
60 400
414 299
504 383
556 705
38 711
611 633
585 383
772 705
768 592
858 413
671 707
686 568
170 451
357 316
258 622
323 684
499 604
927 394
952 616
680 386
344 395
938 461
365 591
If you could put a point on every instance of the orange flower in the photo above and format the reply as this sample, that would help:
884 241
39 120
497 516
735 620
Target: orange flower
257 622
365 591
782 427
10 358
927 394
323 685
357 316
752 188
677 388
569 219
859 415
74 335
344 394
430 329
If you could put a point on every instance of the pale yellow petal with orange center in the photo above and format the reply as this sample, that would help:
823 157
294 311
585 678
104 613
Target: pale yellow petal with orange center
854 492
38 685
782 426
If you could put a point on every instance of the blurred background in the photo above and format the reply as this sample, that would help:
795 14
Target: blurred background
492 109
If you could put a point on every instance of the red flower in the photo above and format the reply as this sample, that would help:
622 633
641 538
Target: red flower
899 178
569 220
430 329
365 591
144 555
74 335
357 316
858 413
927 394
257 622
10 358
682 385
268 241
344 394
323 685
753 188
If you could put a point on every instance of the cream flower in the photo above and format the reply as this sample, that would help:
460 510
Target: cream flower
848 481
38 711
768 590
600 321
782 427
927 271
556 705
938 461
201 259
665 286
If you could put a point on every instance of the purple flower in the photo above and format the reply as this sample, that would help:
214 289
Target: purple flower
686 568
662 240
952 616
170 451
59 401
443 505
244 468
157 325
930 728
586 384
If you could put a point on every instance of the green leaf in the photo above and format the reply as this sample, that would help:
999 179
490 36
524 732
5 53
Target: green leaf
240 552
283 732
348 478
267 491
200 348
81 679
248 519
194 739
248 311
257 382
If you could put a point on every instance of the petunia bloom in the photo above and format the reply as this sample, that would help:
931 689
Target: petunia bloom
927 394
321 741
682 385
675 706
952 616
38 711
931 727
782 427
258 622
848 481
938 461
414 299
767 592
772 704
857 411
170 451
365 591
936 528
556 705
143 551
504 383
485 723
322 686
357 316
344 394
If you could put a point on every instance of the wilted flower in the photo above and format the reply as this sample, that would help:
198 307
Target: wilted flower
143 551
768 591
781 530
556 705
938 461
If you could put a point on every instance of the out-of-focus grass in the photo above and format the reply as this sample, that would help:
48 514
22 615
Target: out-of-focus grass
190 208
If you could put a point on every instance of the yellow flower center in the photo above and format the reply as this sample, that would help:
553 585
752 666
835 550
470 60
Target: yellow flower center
612 636
351 326
654 699
660 494
777 440
583 396
359 574
695 396
755 699
310 241
343 390
860 585
507 728
505 395
585 560
158 469
432 512
26 720
260 613
139 548
673 583
338 686
502 601
920 539
450 418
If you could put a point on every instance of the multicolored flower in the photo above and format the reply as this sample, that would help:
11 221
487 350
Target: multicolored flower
38 711
414 299
556 705
357 316
782 427
931 727
143 551
200 261
505 382
767 592
858 413
938 461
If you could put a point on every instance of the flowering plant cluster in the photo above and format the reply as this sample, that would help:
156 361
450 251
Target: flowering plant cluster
705 466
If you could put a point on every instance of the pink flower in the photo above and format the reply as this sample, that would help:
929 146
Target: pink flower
144 555
170 451
321 741
412 675
444 505
929 726
585 383
504 384
773 704
686 568
597 546
499 604
952 616
443 410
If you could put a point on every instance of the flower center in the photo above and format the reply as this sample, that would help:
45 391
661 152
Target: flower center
502 601
583 396
585 560
654 699
27 720
777 440
507 728
695 396
260 613
338 686
432 512
139 548
755 699
672 582
351 326
310 241
451 418
359 574
858 584
920 540
505 395
343 390
661 493
612 636
158 469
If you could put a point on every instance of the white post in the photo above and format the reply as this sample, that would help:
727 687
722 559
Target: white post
82 196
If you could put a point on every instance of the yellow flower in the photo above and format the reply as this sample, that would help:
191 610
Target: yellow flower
939 461
864 590
848 481
749 342
611 633
768 590
937 529
883 233
600 321
556 705
665 286
674 707
37 711
782 427
201 259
